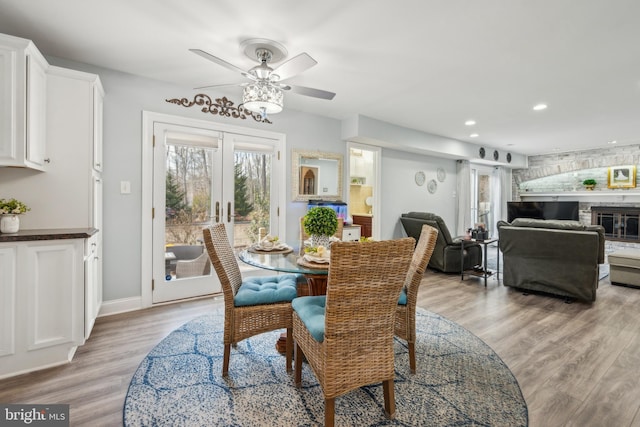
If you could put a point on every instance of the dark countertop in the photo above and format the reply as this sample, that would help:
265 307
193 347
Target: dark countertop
48 234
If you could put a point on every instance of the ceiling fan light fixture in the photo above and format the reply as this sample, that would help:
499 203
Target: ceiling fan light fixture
261 97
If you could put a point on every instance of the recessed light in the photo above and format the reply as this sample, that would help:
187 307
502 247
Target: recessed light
540 107
474 135
612 142
470 122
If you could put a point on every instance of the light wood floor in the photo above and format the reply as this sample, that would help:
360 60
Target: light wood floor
577 364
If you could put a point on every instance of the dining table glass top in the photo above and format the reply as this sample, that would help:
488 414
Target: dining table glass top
283 262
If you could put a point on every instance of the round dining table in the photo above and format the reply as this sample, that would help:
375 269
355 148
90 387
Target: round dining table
290 260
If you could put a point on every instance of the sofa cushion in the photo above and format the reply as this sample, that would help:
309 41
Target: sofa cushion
266 290
311 312
557 224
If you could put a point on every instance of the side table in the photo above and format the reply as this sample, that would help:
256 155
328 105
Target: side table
484 243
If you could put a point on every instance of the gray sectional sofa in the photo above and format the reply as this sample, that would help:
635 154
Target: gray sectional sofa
552 256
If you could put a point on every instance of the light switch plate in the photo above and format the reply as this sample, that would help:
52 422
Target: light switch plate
125 187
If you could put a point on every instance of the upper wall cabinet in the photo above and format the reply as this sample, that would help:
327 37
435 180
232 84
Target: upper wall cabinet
23 86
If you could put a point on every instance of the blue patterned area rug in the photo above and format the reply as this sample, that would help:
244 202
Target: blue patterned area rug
460 381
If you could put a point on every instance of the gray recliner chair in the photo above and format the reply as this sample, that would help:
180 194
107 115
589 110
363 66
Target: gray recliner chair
446 255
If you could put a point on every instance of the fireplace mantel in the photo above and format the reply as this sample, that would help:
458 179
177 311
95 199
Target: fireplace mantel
620 196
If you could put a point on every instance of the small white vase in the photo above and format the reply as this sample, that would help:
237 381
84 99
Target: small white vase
320 240
9 223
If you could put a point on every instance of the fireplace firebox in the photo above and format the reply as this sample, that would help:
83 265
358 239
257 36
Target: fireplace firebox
620 223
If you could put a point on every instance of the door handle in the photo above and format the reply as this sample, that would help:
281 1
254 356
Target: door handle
217 211
228 211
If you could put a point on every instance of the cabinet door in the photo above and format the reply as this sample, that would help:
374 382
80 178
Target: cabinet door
54 281
8 261
96 202
7 111
36 112
93 283
97 126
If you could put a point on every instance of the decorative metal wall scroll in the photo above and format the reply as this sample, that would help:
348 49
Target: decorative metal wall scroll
221 106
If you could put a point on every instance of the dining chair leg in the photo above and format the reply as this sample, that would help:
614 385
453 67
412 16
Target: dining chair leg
225 359
289 350
329 412
389 399
412 356
298 366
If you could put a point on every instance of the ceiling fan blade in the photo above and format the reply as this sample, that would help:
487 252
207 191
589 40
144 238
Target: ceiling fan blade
222 62
309 91
295 65
222 85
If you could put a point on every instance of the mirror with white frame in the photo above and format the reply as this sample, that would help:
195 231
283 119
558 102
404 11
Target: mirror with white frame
316 175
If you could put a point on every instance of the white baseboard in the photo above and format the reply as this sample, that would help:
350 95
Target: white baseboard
117 306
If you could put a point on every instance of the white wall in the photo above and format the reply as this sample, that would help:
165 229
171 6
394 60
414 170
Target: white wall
401 194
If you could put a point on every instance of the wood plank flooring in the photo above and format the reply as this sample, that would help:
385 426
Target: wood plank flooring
577 364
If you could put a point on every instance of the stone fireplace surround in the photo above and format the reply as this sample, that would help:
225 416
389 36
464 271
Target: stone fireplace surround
561 175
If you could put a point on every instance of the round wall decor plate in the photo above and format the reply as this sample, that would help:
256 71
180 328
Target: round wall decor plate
496 155
482 152
420 178
441 174
432 186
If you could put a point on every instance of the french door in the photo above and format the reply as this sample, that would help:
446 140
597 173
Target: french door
203 176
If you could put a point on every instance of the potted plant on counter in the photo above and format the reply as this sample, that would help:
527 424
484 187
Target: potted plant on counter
9 211
320 223
589 184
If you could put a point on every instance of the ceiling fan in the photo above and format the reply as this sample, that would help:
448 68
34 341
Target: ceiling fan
263 93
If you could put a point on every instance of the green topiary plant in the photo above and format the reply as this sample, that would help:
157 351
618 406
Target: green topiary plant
320 221
589 182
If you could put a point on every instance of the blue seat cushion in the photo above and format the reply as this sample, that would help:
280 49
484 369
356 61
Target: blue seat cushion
403 297
266 290
311 312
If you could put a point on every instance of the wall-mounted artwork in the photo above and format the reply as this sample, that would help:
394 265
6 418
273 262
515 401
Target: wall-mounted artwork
622 177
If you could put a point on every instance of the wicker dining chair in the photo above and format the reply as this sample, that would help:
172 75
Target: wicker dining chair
347 335
405 323
251 306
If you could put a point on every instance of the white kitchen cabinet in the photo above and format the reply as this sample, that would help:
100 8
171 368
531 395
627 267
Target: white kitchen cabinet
23 110
8 263
74 132
43 320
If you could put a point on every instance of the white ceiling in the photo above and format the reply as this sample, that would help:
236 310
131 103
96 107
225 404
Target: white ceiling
424 64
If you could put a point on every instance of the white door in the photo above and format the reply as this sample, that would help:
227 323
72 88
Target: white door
201 177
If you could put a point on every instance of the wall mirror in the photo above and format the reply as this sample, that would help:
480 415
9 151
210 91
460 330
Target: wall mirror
316 175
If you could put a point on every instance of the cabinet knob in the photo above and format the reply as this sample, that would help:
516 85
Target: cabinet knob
47 160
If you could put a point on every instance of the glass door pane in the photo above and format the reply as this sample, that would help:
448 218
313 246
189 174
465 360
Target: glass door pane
187 179
187 209
252 196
